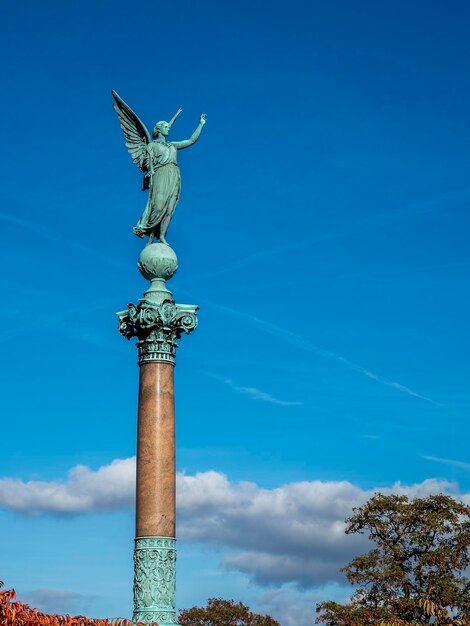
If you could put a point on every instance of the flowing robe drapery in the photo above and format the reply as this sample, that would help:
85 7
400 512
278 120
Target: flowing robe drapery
164 193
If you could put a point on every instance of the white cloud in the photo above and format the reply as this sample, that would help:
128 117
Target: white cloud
460 464
305 344
258 394
254 392
110 487
345 230
292 533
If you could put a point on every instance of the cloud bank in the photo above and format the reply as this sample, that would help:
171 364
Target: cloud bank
293 533
109 488
289 534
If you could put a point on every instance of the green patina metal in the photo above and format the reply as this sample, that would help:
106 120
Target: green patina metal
155 581
157 321
157 328
158 161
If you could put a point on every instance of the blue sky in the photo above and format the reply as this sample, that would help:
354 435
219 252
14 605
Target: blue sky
323 230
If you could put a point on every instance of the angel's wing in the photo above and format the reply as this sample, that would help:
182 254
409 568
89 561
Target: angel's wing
136 134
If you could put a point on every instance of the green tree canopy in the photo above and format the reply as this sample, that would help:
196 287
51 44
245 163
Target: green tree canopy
223 613
420 555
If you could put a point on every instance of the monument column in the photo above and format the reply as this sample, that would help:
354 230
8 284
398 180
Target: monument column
157 322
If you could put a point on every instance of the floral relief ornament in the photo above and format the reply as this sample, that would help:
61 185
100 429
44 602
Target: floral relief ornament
157 327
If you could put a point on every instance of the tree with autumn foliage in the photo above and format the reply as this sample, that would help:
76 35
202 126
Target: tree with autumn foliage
223 613
16 613
415 572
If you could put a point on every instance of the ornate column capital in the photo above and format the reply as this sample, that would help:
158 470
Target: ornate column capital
157 321
157 327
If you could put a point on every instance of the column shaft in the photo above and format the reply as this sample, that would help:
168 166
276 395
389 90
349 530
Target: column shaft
156 488
155 544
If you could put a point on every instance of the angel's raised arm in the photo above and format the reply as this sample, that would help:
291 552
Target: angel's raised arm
180 145
136 134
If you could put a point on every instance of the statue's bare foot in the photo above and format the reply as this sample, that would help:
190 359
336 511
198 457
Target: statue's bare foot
139 232
163 240
151 238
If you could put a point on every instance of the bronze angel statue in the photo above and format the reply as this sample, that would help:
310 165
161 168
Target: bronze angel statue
157 160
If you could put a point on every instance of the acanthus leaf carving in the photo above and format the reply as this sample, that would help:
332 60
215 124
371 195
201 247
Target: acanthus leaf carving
157 327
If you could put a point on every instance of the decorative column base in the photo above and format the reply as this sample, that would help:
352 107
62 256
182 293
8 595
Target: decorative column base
155 581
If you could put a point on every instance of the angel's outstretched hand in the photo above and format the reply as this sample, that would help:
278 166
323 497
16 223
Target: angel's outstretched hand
203 118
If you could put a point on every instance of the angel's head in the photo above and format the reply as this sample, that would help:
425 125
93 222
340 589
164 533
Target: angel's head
161 128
